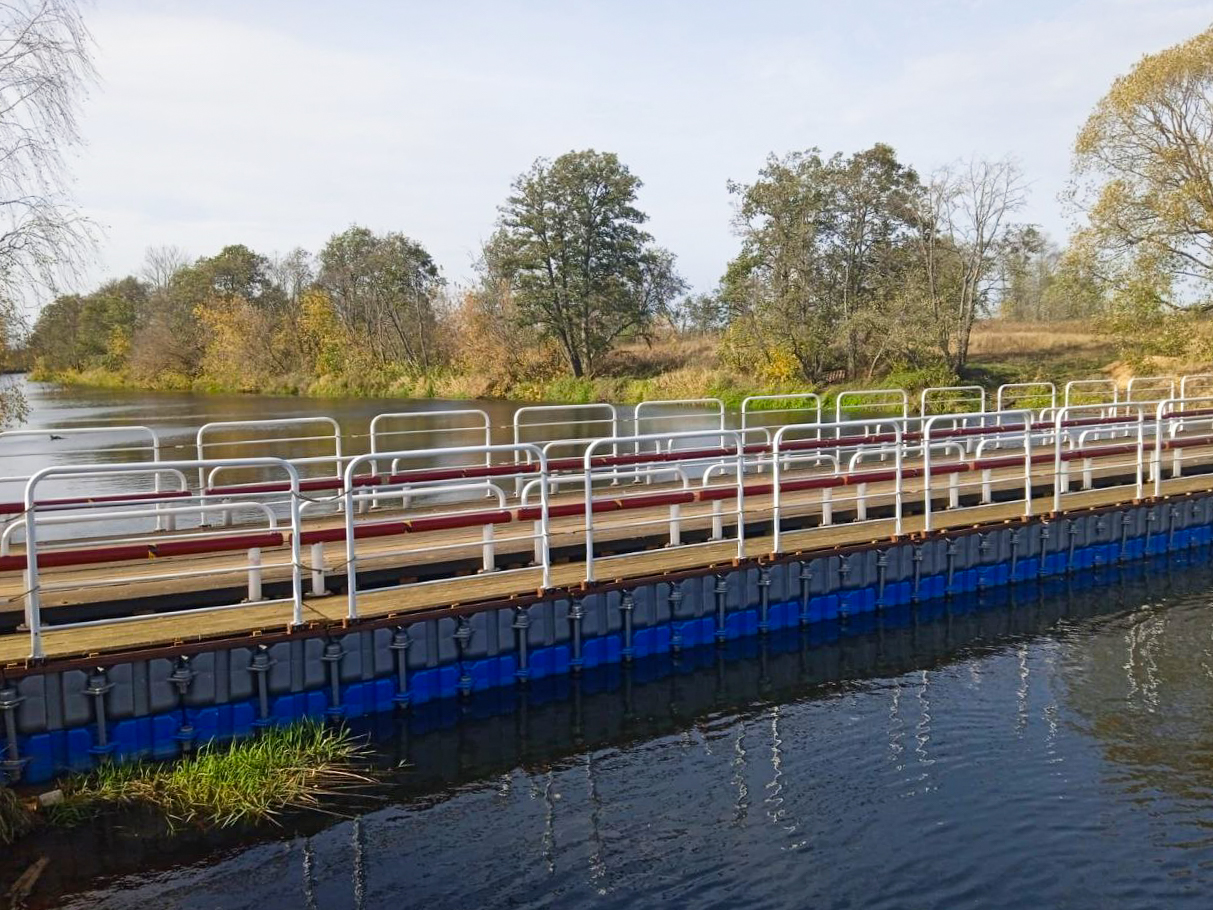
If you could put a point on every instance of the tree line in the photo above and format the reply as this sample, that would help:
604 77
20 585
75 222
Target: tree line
848 265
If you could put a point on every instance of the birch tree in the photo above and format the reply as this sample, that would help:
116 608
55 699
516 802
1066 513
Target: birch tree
45 70
961 218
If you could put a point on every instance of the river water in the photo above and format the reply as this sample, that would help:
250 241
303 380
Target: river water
1051 751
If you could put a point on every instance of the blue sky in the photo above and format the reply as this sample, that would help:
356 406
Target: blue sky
276 124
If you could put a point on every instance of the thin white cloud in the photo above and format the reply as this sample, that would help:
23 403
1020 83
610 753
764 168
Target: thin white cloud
236 126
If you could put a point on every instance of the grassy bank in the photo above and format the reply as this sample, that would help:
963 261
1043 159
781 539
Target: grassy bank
285 769
670 368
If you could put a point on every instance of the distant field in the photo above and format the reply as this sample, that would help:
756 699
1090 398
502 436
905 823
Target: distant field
996 338
1000 351
1024 351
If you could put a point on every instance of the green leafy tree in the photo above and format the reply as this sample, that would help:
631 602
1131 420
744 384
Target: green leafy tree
1028 262
384 289
571 247
821 272
1143 174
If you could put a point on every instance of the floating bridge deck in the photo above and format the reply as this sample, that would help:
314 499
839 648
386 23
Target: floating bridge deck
150 604
301 544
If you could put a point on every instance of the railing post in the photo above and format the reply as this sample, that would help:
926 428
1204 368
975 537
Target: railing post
254 574
317 567
351 550
33 601
926 473
1027 457
740 496
898 480
588 491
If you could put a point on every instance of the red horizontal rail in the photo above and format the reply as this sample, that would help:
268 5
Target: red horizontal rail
16 508
130 552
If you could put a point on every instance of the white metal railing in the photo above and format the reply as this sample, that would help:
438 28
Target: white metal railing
350 494
780 467
682 483
1105 391
1132 425
1025 419
871 400
35 588
779 407
1150 389
942 396
650 416
732 437
1010 394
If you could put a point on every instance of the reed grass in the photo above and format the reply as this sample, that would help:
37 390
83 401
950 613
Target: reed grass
15 818
291 768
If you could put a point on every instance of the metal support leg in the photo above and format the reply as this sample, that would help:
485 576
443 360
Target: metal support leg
627 605
463 638
401 642
13 763
332 659
576 618
98 686
951 553
676 596
181 678
844 573
522 625
806 591
260 667
983 549
764 600
722 596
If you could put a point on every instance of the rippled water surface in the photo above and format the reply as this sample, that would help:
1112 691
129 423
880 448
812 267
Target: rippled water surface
1052 752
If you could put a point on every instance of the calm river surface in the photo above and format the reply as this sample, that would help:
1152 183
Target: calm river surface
1056 751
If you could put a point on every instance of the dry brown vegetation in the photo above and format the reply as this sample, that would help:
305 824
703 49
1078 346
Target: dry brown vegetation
995 337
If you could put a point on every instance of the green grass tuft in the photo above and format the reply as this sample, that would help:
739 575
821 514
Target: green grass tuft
284 769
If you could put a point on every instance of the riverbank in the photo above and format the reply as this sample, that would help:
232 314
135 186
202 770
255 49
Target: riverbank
670 368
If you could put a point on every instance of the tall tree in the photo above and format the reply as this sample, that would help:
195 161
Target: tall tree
571 246
820 272
161 264
961 220
1028 262
45 68
383 289
1143 174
